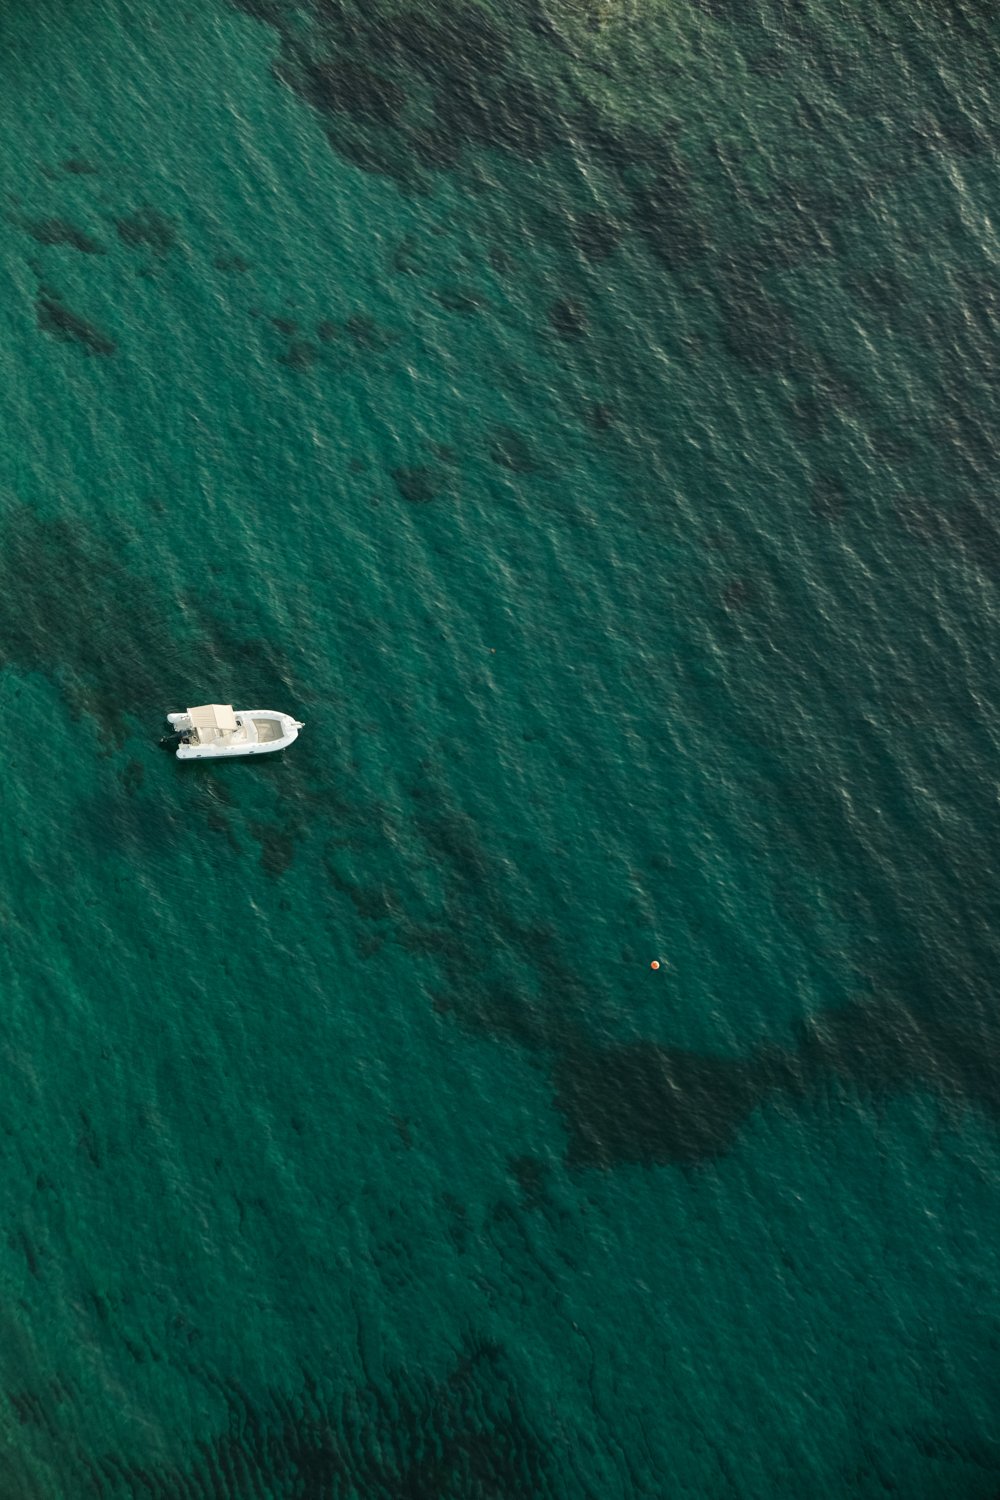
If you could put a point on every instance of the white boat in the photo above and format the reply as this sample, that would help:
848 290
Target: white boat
217 729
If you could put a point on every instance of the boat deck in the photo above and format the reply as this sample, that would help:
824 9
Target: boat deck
267 729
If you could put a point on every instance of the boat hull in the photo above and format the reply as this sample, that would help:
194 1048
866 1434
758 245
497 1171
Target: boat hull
265 730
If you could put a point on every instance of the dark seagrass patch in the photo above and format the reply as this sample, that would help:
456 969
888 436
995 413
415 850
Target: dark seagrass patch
468 1431
58 320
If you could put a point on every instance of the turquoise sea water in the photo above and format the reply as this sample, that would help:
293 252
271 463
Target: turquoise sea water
583 416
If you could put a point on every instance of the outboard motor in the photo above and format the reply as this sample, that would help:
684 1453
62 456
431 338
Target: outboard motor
179 737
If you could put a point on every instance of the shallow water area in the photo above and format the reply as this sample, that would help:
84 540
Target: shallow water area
582 419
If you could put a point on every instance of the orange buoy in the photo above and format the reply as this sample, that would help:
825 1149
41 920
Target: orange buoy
655 964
